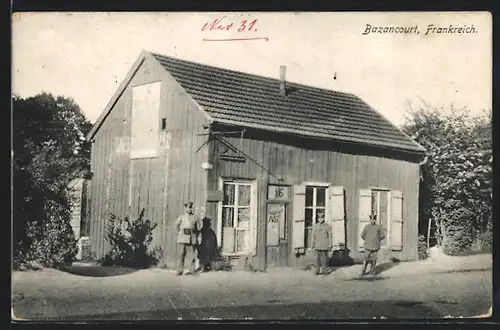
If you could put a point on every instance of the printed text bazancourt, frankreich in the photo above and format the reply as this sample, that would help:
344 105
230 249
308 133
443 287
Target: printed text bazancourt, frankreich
430 29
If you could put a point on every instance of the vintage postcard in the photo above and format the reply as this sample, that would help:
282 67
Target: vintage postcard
251 165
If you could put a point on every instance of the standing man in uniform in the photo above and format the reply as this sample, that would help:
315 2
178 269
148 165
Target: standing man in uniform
188 227
372 234
321 242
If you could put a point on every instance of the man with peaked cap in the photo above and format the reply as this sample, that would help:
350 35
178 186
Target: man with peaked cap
372 234
321 242
188 227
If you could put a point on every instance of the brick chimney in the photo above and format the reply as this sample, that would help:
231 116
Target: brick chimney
282 80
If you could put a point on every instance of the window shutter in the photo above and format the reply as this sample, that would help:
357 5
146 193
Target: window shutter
365 209
396 235
299 205
145 119
336 216
253 219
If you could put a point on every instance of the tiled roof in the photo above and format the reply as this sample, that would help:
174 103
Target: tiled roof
250 100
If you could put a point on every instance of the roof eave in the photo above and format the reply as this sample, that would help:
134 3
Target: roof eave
419 150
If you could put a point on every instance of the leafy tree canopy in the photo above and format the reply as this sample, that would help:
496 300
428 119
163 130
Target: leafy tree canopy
456 185
49 150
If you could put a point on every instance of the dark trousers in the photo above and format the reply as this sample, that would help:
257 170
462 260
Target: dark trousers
321 259
187 253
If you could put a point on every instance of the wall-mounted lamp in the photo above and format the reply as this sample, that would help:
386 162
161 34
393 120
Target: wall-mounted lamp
207 166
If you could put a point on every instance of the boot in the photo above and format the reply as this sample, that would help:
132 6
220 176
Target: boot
363 270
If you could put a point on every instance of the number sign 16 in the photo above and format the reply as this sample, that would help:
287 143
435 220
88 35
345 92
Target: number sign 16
278 192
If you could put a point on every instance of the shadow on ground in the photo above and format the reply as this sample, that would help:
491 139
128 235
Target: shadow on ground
384 267
322 310
97 270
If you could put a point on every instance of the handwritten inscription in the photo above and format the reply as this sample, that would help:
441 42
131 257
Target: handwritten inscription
222 25
240 27
275 223
274 215
430 29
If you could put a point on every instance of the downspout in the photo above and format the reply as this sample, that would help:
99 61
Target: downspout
424 161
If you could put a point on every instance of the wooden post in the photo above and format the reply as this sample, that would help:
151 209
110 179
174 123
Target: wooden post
429 232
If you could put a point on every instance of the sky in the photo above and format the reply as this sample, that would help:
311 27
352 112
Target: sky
85 56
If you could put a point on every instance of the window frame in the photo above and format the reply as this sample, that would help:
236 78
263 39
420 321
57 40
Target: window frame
314 208
251 229
389 218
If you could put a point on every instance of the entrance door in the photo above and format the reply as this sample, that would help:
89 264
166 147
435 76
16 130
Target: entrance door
278 253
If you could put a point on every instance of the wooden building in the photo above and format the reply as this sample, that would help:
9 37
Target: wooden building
258 156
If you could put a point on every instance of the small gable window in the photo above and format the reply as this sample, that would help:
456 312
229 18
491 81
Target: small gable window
145 121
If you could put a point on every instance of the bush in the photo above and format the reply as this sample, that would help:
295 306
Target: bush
132 247
422 248
486 241
53 242
458 233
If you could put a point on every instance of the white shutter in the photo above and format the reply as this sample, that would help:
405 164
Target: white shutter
365 209
396 231
253 219
145 120
298 216
336 216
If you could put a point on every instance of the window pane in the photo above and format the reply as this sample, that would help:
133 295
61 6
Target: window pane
241 240
384 199
308 237
320 209
384 213
309 196
244 195
227 216
244 217
320 196
309 217
374 202
229 194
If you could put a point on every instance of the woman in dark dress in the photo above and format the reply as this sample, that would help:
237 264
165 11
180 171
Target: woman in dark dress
207 250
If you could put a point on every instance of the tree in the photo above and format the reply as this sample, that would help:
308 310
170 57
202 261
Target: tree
49 151
456 181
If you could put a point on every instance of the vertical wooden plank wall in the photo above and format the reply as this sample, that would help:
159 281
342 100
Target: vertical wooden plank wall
297 164
161 184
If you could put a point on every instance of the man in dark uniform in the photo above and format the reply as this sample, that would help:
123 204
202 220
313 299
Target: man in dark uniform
372 234
188 227
321 241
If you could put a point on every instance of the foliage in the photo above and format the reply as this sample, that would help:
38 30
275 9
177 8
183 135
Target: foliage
130 242
422 248
456 189
53 242
486 241
49 150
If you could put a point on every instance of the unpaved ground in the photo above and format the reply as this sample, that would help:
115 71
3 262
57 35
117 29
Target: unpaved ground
283 294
